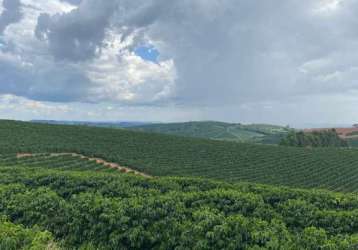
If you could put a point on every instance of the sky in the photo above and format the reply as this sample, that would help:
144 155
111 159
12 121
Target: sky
275 61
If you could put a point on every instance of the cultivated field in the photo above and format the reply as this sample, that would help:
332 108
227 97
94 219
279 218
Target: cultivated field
59 207
161 155
252 133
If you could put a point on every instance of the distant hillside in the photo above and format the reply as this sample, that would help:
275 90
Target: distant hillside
344 133
93 124
261 133
348 134
165 155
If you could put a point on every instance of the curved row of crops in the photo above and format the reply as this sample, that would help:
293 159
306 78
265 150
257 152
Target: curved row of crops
99 210
59 162
161 155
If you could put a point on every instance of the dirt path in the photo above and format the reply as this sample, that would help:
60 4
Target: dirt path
97 160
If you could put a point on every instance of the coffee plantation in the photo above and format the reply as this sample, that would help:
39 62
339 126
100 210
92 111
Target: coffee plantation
99 210
59 190
335 169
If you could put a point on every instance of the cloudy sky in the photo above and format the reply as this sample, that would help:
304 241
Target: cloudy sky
275 61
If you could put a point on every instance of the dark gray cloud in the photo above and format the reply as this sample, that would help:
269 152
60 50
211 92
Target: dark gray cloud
11 13
57 83
232 52
77 35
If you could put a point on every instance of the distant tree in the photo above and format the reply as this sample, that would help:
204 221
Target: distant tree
326 138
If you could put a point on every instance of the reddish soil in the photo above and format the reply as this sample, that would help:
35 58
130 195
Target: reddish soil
98 160
342 132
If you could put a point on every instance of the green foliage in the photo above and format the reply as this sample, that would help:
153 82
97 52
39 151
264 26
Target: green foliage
258 133
55 161
98 210
15 237
352 134
326 138
162 155
353 142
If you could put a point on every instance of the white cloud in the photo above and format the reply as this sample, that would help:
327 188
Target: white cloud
116 75
132 80
127 77
14 104
315 66
13 107
327 6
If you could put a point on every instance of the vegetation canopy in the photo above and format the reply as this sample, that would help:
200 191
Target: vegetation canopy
324 138
84 209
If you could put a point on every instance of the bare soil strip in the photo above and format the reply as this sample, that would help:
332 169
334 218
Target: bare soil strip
97 160
344 133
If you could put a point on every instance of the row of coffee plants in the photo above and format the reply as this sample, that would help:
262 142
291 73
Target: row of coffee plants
160 155
96 210
15 237
60 162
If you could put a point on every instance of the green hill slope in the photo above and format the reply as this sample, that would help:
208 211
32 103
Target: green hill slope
91 210
164 155
261 133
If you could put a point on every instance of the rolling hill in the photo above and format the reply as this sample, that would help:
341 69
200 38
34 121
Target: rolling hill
93 124
260 133
164 155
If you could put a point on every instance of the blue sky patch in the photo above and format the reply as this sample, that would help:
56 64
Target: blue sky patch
2 44
147 53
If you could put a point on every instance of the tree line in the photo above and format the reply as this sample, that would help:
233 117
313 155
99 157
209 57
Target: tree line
324 138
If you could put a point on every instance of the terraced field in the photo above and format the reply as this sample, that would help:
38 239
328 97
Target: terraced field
163 155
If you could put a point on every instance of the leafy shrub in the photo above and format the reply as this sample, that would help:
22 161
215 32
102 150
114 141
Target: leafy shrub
15 237
324 138
120 211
